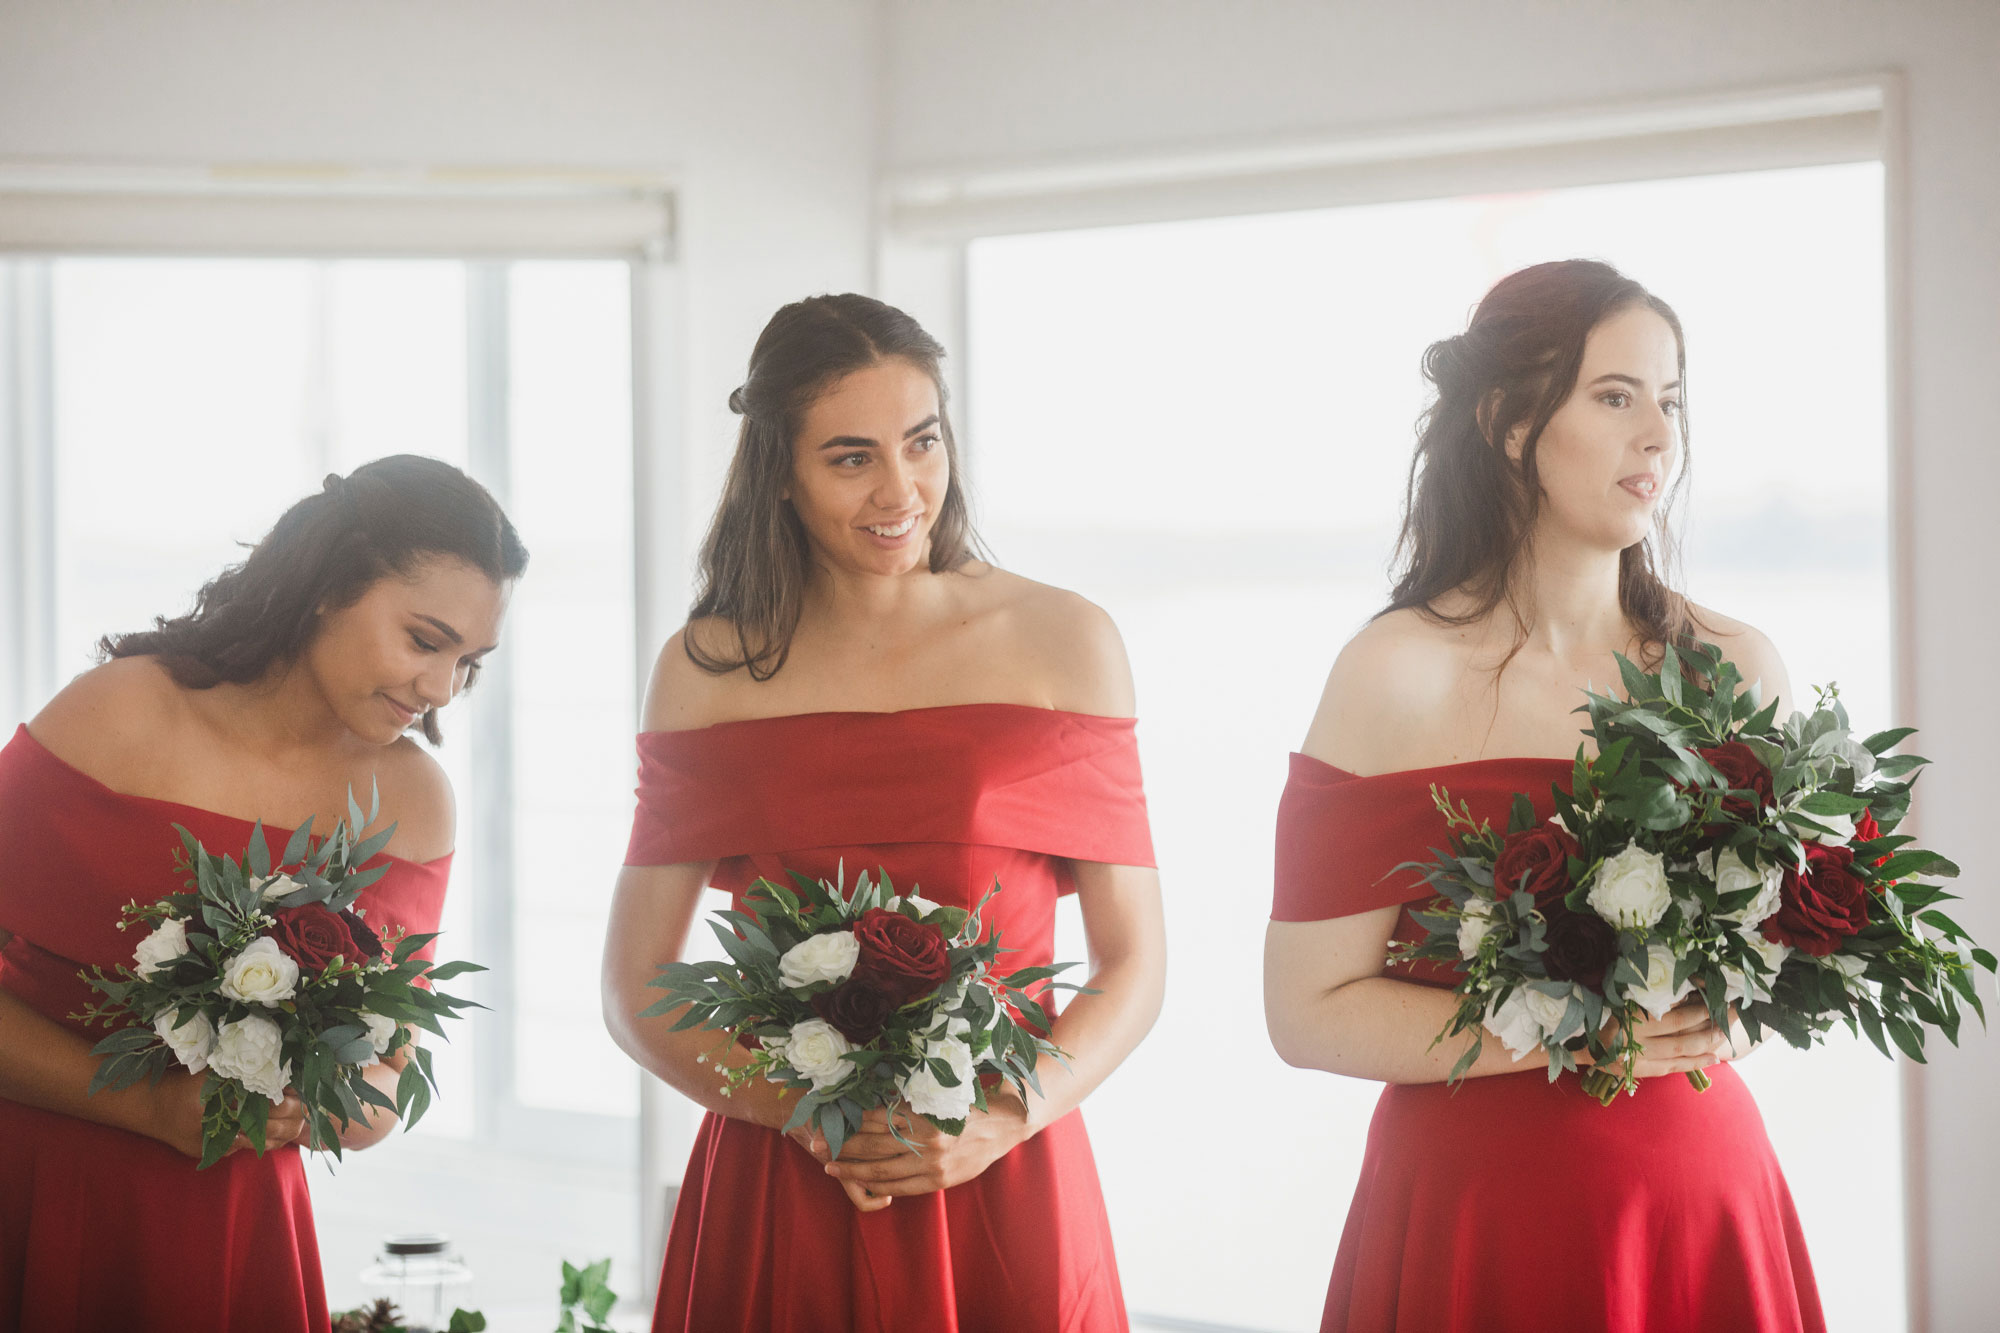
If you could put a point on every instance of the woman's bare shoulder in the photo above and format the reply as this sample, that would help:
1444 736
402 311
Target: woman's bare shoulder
113 714
1756 657
416 797
1386 690
681 694
1069 643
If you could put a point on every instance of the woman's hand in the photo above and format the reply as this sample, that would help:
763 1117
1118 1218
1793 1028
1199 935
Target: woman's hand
1683 1039
177 1118
874 1168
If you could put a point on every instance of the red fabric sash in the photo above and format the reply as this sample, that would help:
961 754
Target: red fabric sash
73 852
1340 837
992 775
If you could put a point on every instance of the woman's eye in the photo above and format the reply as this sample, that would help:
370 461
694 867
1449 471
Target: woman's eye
850 460
1617 399
1671 408
423 646
926 444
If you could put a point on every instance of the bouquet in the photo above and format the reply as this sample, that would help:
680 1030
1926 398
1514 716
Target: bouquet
265 975
1705 848
863 1000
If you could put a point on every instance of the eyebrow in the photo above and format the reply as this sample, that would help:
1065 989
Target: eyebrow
1635 383
863 442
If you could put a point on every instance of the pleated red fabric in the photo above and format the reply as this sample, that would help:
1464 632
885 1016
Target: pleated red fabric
946 800
101 1230
1511 1204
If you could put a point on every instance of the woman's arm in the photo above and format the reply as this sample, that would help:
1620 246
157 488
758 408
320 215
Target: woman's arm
1327 1004
46 1065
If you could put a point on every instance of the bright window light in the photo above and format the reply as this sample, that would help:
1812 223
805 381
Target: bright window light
1206 427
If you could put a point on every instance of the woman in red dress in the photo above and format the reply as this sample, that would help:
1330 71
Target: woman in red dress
294 680
1531 553
854 690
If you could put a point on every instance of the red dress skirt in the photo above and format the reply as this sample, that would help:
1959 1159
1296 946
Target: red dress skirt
102 1230
1511 1204
947 801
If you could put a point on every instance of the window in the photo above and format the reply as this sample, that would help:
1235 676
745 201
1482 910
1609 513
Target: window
1206 427
191 400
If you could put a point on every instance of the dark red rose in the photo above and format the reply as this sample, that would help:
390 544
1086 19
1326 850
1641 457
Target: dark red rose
1581 947
1823 906
314 937
905 958
857 1008
1743 771
1542 854
364 937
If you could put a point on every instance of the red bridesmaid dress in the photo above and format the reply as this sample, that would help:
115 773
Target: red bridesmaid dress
101 1230
948 800
1511 1204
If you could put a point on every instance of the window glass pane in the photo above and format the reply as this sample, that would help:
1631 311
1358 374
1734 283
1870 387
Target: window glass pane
570 634
178 395
1207 426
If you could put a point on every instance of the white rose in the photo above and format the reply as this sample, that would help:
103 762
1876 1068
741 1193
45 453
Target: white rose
1732 875
247 1051
1742 986
1630 889
828 957
1842 827
814 1049
168 941
279 885
928 1096
923 905
1659 994
381 1031
1474 926
261 974
190 1042
1525 1019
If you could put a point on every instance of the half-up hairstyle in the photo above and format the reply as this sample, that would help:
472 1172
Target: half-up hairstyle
756 558
1468 508
323 553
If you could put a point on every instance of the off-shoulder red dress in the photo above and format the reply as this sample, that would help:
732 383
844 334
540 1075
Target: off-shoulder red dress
949 799
1511 1204
101 1230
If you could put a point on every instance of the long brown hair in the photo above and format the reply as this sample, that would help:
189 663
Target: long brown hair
321 555
1468 508
756 558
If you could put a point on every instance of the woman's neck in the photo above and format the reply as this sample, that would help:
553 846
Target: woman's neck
846 597
1566 599
281 713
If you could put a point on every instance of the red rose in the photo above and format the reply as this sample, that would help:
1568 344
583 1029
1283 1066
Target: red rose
1821 907
365 938
904 958
1743 771
1866 829
1542 855
314 937
857 1008
1581 947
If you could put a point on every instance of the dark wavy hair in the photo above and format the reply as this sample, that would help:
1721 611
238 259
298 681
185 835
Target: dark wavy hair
323 553
755 560
1468 508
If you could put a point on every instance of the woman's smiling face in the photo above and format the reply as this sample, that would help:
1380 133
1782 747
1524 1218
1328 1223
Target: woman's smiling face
870 470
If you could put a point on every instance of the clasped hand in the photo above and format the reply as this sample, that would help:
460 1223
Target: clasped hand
874 1167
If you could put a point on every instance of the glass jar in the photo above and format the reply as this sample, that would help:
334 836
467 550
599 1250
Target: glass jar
415 1270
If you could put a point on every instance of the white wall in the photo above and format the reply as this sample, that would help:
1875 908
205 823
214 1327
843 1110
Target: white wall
1035 81
766 112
